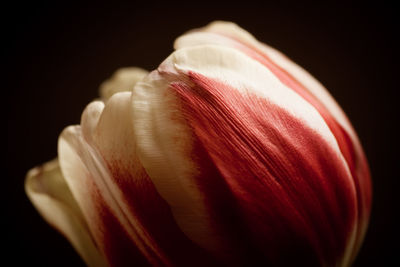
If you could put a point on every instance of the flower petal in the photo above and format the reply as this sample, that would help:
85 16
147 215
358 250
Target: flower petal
130 220
231 35
164 148
124 79
114 138
49 193
239 112
84 173
293 76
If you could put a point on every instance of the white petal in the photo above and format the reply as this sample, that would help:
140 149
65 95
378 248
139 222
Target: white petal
122 80
49 193
90 118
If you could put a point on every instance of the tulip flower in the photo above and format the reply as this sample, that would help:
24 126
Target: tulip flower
227 154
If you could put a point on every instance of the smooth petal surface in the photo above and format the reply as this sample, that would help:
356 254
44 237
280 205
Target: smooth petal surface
124 79
300 81
49 193
124 209
241 135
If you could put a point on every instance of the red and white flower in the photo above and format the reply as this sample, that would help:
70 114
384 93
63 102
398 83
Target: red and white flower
228 153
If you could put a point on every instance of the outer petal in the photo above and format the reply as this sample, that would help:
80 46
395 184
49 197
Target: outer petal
116 194
46 188
229 34
242 136
122 80
300 81
84 173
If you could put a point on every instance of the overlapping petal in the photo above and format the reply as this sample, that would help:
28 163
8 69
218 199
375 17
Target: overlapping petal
115 192
241 135
48 191
293 76
122 80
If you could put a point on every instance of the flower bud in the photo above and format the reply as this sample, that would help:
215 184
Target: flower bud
228 153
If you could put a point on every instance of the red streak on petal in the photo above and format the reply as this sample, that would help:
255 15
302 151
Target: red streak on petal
111 236
154 221
292 191
351 151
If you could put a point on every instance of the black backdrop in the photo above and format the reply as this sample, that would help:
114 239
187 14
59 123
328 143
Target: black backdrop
57 55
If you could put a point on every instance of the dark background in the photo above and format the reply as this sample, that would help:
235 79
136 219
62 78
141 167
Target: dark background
57 55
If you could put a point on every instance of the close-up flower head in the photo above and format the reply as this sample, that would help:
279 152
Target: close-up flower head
227 154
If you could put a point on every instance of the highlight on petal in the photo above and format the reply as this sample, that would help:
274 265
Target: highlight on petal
49 193
120 202
243 137
124 79
300 81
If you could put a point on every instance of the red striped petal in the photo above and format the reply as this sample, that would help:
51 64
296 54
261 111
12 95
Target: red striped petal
108 226
133 190
288 183
229 148
132 223
306 86
272 176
